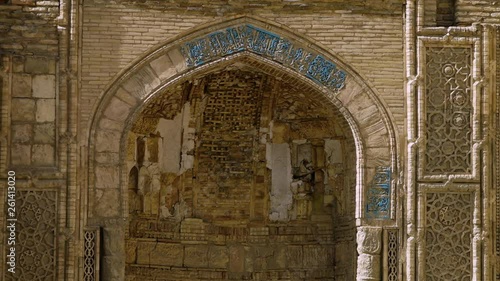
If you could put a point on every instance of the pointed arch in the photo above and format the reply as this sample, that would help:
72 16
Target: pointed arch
273 47
168 62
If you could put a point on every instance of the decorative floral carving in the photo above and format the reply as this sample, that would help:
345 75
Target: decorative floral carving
369 240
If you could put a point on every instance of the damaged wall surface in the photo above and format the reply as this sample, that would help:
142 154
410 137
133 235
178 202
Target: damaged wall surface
249 172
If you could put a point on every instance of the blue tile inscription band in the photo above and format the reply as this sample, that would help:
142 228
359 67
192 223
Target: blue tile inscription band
256 40
379 195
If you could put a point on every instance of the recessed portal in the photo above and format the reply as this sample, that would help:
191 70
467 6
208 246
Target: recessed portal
239 175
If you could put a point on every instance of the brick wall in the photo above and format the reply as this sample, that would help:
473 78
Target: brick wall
29 63
470 11
29 28
367 36
29 43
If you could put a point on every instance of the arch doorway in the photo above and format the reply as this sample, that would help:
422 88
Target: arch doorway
263 157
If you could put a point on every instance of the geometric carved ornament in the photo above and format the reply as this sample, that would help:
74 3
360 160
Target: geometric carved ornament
91 254
36 235
448 236
392 255
448 110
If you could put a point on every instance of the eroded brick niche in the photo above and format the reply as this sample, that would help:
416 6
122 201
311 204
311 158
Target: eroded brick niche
239 175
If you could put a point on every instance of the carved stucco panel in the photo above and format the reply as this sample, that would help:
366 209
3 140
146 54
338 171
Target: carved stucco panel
369 240
36 232
448 110
448 236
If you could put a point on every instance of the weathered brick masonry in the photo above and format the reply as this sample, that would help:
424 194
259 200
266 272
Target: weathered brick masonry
251 140
362 33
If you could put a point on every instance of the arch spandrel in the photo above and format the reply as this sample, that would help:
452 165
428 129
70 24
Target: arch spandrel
168 64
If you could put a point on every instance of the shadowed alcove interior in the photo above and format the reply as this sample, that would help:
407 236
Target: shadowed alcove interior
239 173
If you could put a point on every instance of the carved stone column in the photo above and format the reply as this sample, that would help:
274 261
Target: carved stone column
369 240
